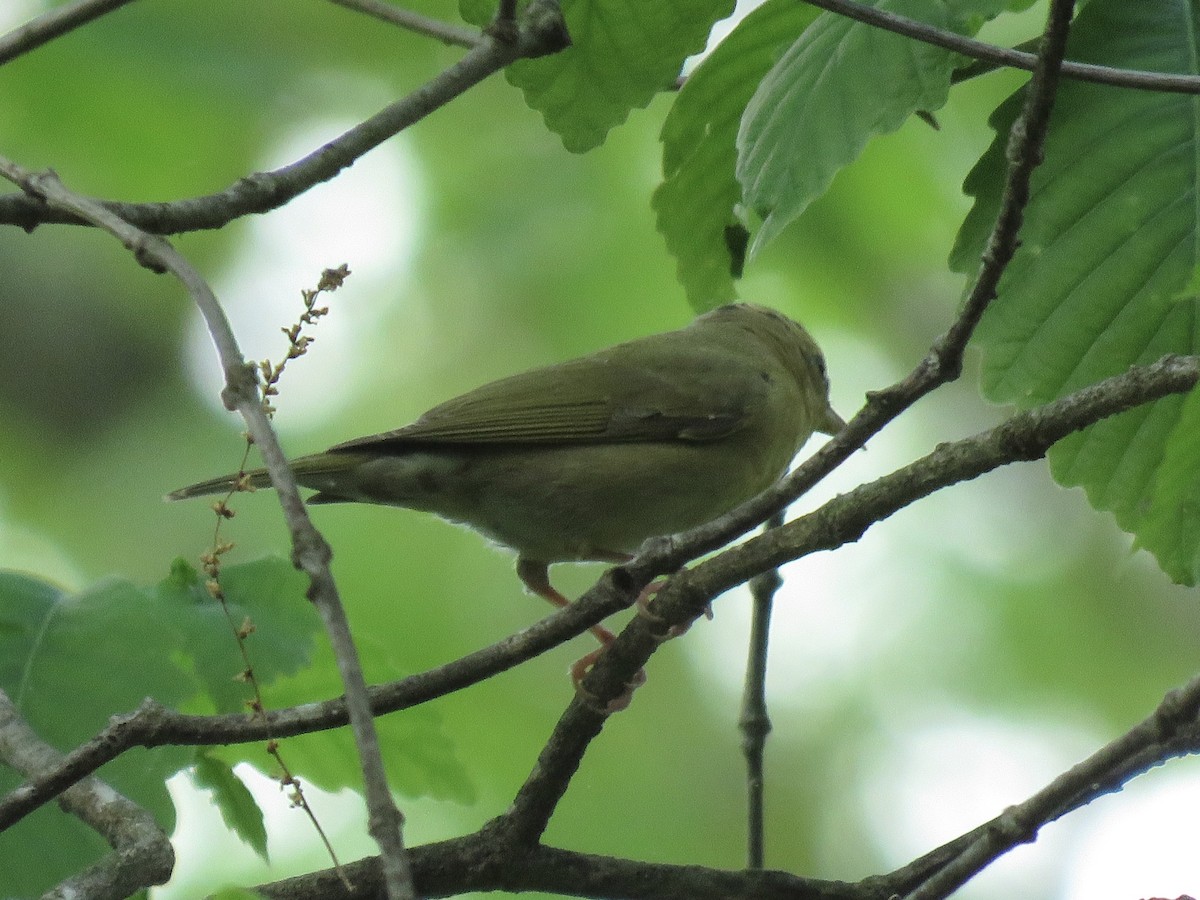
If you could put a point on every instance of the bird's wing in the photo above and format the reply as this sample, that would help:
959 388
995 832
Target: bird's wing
672 392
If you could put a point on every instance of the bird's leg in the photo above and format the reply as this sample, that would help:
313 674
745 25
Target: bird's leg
535 575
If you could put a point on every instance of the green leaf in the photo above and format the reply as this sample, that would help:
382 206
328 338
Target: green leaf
696 202
840 83
1101 279
267 593
623 52
70 661
477 12
234 800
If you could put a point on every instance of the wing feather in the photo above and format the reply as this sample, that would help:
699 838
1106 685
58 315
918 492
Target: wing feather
626 394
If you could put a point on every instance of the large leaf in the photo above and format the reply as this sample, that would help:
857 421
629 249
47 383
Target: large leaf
697 199
840 84
623 52
1103 276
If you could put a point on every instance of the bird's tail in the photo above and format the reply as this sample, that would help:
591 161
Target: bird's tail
309 471
256 478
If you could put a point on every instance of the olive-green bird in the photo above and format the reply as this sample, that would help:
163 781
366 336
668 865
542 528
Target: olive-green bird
585 459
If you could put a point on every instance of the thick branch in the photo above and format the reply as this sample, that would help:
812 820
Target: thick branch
478 863
142 851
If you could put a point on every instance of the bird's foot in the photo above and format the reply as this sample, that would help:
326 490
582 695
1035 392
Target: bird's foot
583 665
643 608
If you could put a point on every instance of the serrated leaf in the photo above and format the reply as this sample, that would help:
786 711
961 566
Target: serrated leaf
233 799
623 52
696 202
1108 247
840 84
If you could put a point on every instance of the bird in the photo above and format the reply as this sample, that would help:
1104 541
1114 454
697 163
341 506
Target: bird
584 460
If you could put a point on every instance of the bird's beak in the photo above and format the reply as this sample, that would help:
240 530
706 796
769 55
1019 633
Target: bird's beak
832 423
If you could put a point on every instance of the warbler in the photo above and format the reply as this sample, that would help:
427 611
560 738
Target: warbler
585 459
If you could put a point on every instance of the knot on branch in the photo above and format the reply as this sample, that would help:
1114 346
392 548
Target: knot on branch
544 30
1023 443
241 385
1179 709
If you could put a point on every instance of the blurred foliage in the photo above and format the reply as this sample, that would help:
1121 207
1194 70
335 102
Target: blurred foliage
1009 599
70 661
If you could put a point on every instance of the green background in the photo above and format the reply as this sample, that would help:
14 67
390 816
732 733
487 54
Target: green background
950 663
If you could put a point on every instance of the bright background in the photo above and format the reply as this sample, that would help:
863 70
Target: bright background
949 664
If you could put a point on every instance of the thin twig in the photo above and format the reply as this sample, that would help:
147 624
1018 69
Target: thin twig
447 33
310 552
1024 154
540 31
888 21
755 722
1172 726
52 24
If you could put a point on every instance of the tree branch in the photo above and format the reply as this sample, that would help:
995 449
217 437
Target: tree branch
476 863
1171 730
888 21
153 725
52 24
445 32
541 31
142 851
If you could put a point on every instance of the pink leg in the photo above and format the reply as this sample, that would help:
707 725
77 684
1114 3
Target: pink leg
535 575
